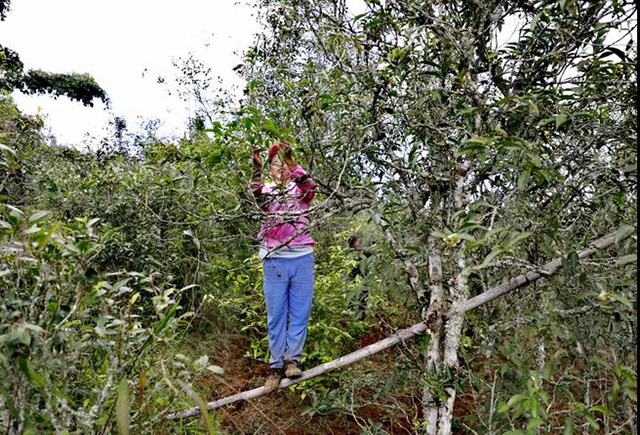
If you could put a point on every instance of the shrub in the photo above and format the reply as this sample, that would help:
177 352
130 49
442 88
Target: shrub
69 334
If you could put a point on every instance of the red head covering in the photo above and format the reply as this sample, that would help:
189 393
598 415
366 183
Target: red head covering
273 150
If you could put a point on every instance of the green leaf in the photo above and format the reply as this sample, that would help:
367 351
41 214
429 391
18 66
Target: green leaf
33 327
623 300
631 258
33 229
543 395
623 232
201 362
518 237
358 17
31 374
214 158
38 215
516 399
463 236
568 426
20 335
478 140
165 320
560 119
15 211
631 394
523 179
215 369
439 234
8 149
602 409
495 231
491 256
535 423
43 241
209 425
592 422
122 408
119 284
396 54
573 260
534 21
545 121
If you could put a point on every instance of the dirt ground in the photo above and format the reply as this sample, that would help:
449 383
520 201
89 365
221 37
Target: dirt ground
283 412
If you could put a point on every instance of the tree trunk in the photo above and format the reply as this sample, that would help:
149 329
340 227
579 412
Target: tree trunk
453 331
433 318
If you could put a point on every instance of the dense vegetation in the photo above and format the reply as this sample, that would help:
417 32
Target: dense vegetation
129 277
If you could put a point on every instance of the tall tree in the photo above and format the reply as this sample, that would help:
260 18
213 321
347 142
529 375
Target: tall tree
482 157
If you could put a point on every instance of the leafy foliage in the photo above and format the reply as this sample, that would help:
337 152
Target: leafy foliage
441 144
68 334
5 5
79 87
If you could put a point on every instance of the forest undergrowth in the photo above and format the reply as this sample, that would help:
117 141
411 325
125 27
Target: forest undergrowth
130 286
120 304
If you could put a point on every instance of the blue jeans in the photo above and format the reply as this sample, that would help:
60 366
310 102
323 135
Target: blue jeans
288 292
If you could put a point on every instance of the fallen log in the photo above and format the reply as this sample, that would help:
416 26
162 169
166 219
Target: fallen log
513 284
548 269
343 361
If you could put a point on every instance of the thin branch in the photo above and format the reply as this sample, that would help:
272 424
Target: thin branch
404 334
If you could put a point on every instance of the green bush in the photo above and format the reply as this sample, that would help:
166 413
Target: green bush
68 334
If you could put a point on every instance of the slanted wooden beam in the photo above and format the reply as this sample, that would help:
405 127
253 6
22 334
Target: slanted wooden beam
548 269
343 361
404 334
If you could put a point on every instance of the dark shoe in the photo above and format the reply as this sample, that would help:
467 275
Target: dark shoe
291 369
273 380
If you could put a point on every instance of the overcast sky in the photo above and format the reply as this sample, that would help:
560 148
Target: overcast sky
125 46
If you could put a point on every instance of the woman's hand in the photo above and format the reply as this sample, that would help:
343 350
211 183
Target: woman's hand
287 149
256 158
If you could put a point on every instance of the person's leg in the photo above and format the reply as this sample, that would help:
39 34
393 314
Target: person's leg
276 283
300 297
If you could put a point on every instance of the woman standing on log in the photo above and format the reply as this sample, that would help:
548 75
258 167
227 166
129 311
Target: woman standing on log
287 254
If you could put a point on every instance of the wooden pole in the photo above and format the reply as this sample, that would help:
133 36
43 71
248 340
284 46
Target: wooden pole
404 334
548 269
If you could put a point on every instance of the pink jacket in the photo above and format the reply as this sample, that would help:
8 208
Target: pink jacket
280 228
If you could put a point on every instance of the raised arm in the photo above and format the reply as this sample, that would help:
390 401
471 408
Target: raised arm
306 185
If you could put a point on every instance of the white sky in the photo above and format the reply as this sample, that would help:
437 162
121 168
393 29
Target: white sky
125 45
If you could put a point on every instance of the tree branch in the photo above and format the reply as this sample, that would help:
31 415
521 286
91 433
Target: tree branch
521 280
404 334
